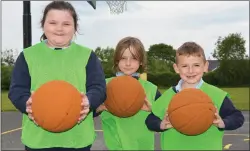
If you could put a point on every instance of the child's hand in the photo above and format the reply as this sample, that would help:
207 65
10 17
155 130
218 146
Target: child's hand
218 122
165 123
84 108
147 105
101 108
29 110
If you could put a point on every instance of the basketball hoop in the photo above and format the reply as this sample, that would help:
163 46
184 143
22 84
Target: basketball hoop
116 7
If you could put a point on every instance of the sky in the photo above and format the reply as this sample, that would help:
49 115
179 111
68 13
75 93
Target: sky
153 22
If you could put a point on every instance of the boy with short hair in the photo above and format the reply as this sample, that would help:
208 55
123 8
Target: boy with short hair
191 65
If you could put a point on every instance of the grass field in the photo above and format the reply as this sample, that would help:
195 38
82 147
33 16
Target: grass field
240 97
6 105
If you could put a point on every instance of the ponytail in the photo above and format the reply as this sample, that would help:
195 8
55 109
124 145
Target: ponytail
43 37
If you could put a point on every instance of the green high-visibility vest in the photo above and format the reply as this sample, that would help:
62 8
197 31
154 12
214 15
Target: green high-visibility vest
46 64
129 133
171 139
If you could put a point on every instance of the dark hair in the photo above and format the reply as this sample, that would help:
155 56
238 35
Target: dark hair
190 48
59 5
130 43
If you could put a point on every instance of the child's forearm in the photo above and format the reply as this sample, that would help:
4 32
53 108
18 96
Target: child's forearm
232 117
153 123
20 84
95 82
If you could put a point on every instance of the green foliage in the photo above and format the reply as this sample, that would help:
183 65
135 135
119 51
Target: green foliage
231 47
233 73
162 52
5 76
160 58
164 79
106 58
7 57
210 78
229 74
159 66
7 63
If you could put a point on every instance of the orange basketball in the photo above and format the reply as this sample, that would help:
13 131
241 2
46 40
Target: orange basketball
191 111
56 106
125 96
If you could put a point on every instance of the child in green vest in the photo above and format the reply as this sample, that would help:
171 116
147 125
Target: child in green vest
57 57
190 65
130 133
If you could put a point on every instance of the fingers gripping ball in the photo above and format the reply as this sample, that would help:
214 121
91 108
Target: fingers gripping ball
191 111
56 106
125 96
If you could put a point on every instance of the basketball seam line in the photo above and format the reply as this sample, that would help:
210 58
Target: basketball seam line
195 117
114 101
189 104
64 117
133 102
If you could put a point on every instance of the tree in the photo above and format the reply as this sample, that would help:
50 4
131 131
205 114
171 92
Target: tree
5 76
233 73
160 58
7 64
106 54
106 57
8 57
231 47
162 52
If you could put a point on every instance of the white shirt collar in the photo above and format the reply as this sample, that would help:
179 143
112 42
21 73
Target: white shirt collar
46 41
136 74
178 86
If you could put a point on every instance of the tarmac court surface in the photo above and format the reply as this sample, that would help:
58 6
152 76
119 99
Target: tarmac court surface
11 134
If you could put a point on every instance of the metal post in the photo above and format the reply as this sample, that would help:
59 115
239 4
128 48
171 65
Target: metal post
26 24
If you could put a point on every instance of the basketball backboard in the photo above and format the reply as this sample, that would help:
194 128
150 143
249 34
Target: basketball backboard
92 3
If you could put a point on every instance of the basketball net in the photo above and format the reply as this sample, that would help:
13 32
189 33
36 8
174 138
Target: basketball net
116 7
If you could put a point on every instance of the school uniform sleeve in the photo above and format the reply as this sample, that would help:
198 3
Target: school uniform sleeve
19 91
153 122
232 117
95 84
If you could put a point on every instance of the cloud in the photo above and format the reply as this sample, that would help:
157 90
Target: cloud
170 22
12 25
206 18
